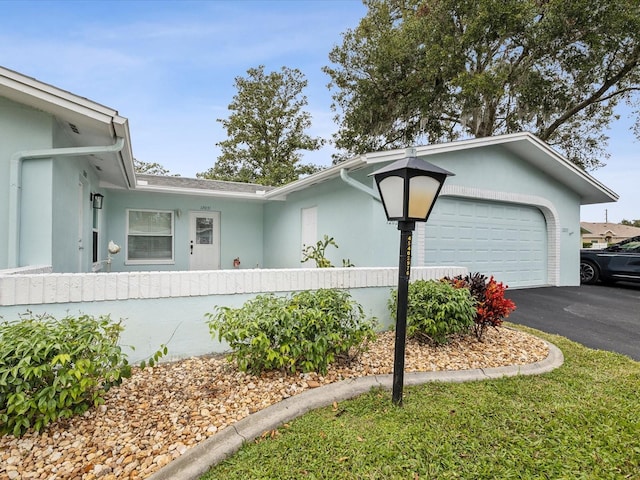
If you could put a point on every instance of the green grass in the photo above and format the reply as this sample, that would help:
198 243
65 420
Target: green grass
581 421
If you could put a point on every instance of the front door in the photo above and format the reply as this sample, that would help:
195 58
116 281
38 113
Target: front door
204 240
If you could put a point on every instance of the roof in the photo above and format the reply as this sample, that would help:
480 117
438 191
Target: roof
85 124
200 186
525 145
603 229
88 123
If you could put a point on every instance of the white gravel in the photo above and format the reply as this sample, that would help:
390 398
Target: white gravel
157 414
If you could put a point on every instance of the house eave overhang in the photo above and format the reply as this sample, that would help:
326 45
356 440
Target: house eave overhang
258 196
528 147
525 145
281 193
105 124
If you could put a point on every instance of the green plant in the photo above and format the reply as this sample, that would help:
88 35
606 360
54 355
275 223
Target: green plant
306 331
435 310
491 305
52 369
317 253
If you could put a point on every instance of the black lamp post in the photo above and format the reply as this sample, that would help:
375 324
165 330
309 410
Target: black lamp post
408 190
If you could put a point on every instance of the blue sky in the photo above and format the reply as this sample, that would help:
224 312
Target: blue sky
169 67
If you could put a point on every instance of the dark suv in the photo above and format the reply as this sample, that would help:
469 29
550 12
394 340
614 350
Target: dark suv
617 262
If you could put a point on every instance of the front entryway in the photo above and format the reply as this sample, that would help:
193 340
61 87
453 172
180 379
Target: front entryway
204 240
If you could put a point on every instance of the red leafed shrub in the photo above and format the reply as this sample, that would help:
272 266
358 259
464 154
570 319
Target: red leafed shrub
491 305
493 308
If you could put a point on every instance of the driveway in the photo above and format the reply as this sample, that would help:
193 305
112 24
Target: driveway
598 316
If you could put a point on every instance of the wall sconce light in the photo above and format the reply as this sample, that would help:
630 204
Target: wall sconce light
96 199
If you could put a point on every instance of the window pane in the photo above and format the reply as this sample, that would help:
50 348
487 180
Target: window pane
204 231
148 247
149 222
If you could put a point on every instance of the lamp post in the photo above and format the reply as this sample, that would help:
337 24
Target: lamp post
408 190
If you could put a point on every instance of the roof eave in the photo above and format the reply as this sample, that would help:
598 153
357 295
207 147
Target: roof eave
281 193
199 192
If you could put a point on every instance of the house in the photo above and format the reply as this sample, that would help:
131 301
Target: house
511 210
68 191
601 235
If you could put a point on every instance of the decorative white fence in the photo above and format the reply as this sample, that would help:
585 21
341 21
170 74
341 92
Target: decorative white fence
38 289
158 306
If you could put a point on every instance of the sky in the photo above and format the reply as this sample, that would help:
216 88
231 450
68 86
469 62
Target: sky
169 68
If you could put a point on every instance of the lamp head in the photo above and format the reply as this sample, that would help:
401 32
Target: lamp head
409 187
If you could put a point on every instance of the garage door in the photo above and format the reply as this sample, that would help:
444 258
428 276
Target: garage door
504 240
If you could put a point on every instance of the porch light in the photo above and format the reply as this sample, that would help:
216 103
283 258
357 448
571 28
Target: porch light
96 199
408 190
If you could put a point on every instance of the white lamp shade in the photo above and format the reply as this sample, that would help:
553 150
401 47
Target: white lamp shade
422 194
392 190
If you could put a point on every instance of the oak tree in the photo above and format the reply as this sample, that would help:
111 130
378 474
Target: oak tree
427 71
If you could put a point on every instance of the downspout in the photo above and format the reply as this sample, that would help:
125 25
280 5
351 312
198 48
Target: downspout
15 184
344 175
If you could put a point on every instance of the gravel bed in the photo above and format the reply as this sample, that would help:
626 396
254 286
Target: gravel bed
157 414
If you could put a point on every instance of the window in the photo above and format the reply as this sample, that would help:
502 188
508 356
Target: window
149 236
95 234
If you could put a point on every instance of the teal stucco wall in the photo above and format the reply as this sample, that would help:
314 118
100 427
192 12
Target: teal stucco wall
240 227
23 128
353 218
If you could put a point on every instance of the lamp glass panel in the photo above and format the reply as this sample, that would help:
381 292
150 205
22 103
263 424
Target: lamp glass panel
392 192
422 193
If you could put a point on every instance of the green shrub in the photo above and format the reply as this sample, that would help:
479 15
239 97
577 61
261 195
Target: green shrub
306 331
436 310
52 369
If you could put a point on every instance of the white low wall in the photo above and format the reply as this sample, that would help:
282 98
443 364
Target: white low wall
157 306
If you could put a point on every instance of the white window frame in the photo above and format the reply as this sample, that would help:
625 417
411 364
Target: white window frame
151 261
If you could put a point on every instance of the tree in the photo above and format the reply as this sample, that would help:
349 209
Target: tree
631 223
151 168
266 130
439 70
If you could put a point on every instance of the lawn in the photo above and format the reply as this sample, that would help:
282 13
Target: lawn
579 421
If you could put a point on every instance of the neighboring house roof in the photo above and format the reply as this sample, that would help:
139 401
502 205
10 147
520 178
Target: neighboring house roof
84 123
617 230
199 186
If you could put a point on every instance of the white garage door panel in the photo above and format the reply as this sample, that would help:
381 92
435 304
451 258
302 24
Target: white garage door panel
503 240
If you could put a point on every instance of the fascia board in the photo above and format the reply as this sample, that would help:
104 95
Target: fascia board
544 157
194 192
281 193
531 149
126 163
48 98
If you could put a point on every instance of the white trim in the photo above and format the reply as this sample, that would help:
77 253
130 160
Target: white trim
64 288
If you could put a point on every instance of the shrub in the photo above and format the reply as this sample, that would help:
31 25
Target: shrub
306 331
52 369
435 310
491 305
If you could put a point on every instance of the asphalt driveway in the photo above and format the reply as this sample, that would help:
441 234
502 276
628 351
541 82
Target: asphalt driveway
598 316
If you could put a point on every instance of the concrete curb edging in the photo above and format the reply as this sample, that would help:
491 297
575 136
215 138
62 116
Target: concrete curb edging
196 461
